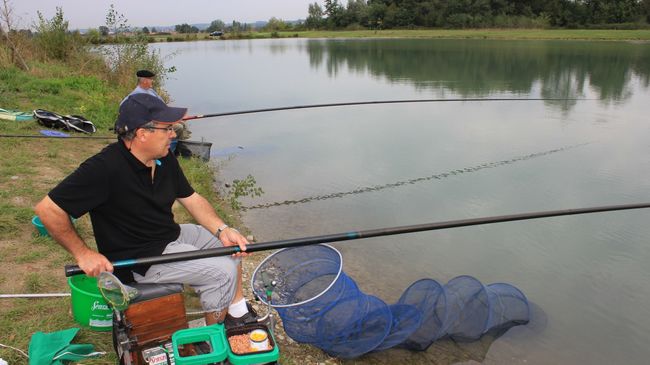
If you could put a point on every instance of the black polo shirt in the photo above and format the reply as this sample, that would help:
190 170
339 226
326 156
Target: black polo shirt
131 214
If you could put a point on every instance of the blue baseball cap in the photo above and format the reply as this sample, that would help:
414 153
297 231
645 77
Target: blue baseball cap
140 109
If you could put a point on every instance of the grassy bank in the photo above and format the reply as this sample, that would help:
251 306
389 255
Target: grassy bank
582 34
528 34
29 169
31 264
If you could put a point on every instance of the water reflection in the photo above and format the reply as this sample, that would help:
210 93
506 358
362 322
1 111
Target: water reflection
478 68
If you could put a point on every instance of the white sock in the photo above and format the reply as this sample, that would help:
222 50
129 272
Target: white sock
238 309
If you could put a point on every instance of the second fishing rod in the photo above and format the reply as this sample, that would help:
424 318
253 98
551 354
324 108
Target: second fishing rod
307 106
372 102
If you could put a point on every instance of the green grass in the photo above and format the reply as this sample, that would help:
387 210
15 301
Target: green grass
45 315
12 218
40 261
31 256
586 34
34 283
84 95
30 168
512 34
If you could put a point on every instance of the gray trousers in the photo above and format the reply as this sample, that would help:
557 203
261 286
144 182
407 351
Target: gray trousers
214 279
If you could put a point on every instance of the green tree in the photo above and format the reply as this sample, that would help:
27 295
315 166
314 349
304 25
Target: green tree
424 14
10 37
186 28
405 15
53 37
94 36
480 13
315 18
501 7
130 53
274 24
334 12
356 13
390 16
557 12
215 25
238 27
376 14
116 22
145 30
612 11
103 30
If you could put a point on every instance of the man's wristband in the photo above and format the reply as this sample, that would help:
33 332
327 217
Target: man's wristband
219 230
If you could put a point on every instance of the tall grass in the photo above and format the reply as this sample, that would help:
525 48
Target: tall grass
54 39
129 53
124 57
54 43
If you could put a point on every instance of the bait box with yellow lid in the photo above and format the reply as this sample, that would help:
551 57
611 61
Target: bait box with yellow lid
220 349
256 357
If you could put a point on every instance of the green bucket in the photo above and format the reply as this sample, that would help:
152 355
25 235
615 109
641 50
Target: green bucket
42 231
36 221
89 308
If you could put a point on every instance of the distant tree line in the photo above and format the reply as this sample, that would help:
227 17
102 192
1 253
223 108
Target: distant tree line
386 14
215 25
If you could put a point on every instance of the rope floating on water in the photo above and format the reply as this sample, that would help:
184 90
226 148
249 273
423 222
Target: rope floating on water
439 176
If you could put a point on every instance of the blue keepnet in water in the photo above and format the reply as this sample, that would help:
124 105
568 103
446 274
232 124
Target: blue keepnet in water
320 305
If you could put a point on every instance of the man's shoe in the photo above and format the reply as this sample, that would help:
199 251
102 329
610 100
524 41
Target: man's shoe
248 318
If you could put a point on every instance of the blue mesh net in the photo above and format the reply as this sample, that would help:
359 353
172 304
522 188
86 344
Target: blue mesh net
430 299
319 304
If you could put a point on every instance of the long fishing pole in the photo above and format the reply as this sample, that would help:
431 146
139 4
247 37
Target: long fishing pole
329 105
308 106
71 270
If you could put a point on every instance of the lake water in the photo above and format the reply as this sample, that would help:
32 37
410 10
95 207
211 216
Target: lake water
365 167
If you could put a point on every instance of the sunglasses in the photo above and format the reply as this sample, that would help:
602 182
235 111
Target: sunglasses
169 129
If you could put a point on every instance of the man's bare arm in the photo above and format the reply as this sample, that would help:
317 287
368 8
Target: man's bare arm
58 224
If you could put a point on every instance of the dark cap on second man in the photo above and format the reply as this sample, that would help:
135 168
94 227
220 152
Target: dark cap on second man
145 73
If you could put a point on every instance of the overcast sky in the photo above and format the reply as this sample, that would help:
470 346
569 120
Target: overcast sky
92 13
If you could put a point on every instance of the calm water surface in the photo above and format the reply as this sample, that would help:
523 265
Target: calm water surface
367 167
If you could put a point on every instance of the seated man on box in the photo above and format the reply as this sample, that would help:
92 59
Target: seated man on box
129 188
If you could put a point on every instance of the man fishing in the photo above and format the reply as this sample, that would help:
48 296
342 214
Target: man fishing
144 86
129 188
